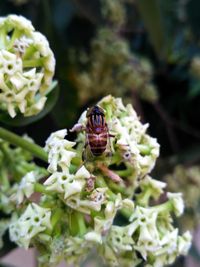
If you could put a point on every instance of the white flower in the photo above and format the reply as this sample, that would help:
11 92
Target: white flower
130 135
103 225
144 220
34 220
184 243
94 201
94 237
177 202
26 187
27 62
59 151
66 183
119 239
149 188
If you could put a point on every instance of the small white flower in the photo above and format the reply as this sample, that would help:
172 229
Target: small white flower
66 183
94 201
130 135
34 220
119 239
26 187
154 188
184 243
59 151
93 237
177 202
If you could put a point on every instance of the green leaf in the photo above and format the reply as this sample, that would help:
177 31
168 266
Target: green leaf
20 120
151 16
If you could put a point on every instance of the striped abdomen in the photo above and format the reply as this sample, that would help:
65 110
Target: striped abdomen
96 130
97 142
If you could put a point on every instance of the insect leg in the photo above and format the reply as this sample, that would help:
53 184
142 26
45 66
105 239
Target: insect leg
78 127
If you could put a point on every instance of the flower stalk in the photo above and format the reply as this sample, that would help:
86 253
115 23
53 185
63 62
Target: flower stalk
16 140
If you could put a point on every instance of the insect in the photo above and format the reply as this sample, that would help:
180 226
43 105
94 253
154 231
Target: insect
97 134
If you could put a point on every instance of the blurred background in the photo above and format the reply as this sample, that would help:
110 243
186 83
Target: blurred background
145 51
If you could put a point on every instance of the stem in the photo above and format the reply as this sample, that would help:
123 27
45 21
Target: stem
56 217
110 174
124 173
30 63
4 179
16 34
16 140
167 206
3 40
81 223
41 189
100 182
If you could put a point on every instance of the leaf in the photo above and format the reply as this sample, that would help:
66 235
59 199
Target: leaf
20 120
151 16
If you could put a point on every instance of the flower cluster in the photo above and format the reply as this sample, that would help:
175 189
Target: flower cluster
178 180
122 75
26 69
18 174
131 146
119 75
33 221
81 202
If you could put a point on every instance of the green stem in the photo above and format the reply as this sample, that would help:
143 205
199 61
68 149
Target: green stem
15 35
124 173
41 189
6 152
167 206
4 179
81 223
100 182
3 40
33 63
56 217
16 140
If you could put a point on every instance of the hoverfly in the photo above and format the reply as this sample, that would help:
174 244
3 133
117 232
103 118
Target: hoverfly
97 134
